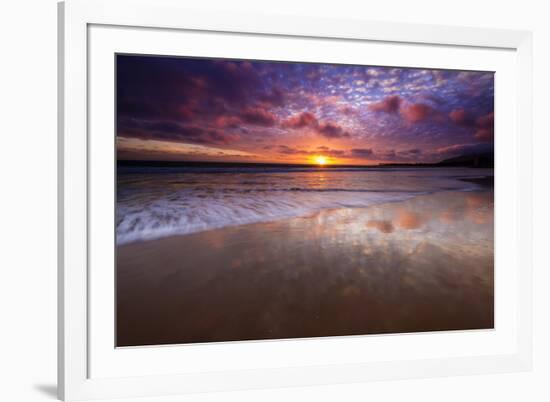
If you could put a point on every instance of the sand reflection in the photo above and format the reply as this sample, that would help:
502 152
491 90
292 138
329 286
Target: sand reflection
420 265
383 226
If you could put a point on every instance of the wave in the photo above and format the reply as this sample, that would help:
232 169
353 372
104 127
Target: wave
150 206
191 212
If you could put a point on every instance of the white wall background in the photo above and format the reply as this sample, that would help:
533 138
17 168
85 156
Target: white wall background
28 199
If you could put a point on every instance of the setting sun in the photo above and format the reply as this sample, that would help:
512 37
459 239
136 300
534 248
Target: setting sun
320 160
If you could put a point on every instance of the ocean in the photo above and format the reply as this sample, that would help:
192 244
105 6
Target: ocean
155 201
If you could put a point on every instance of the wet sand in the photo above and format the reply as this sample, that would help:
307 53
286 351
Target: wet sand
425 264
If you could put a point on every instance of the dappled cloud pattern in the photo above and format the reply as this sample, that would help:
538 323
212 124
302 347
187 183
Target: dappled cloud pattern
260 111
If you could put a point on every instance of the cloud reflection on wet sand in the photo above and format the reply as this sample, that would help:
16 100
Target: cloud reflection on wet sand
420 265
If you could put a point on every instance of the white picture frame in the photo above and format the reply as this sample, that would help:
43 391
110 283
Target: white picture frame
77 18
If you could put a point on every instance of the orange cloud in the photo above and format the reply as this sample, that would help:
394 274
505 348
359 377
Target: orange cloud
486 127
416 112
390 104
304 119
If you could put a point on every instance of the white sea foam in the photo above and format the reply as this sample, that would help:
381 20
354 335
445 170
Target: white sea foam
154 205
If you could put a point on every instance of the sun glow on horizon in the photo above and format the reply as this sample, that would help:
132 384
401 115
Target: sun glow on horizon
320 160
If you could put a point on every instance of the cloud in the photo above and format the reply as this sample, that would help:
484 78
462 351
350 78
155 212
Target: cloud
386 154
332 130
184 88
252 115
485 128
462 149
308 120
406 155
334 153
186 112
416 112
354 153
389 104
173 132
192 100
461 117
227 121
274 98
285 149
301 120
217 137
258 116
486 121
483 125
326 151
410 152
135 148
434 99
411 112
361 152
484 134
347 110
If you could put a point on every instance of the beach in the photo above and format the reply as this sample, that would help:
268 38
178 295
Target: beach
407 263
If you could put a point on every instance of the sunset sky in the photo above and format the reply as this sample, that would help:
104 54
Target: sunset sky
253 111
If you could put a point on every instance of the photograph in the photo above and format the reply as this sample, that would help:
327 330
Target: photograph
267 199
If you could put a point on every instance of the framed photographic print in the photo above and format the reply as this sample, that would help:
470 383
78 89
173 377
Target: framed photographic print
258 201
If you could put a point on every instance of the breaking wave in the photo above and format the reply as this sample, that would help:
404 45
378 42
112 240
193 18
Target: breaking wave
155 205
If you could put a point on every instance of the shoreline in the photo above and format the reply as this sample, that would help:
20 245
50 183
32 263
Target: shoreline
425 264
485 183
